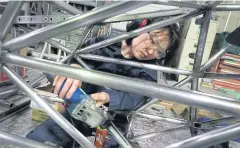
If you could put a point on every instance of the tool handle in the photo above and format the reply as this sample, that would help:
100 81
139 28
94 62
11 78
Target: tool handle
77 96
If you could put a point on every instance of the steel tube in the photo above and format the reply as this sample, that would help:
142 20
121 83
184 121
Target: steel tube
183 82
87 3
220 76
181 4
159 118
197 64
58 45
118 136
22 142
66 7
82 63
228 7
214 58
75 22
129 126
136 86
201 43
205 66
147 104
129 17
135 64
211 138
86 32
69 128
66 59
50 41
8 17
136 32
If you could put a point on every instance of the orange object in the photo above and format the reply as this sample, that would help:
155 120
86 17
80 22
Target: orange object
230 84
100 138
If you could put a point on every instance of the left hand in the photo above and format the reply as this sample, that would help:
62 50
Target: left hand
100 98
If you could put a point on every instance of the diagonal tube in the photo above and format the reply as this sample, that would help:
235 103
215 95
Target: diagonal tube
136 32
208 139
8 17
70 129
136 86
72 23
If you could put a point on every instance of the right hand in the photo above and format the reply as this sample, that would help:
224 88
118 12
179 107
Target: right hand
69 87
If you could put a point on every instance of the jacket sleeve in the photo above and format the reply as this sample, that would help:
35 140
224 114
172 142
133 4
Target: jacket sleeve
120 100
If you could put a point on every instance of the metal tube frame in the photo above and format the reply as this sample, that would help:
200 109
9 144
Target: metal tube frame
150 89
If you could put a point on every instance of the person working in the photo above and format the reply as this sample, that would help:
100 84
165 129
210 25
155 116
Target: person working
148 48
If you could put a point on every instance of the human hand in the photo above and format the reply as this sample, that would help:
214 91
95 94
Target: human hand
69 87
100 98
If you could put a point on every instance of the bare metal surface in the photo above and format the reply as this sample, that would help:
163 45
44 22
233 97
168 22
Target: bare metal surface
228 7
71 24
135 64
133 85
69 128
8 17
136 32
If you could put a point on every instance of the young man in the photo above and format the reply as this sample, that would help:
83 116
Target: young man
147 47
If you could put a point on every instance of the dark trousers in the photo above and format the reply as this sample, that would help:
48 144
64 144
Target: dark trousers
50 131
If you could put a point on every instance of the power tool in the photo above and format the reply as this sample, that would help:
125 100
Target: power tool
82 107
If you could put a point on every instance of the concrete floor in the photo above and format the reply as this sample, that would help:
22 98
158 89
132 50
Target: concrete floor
21 123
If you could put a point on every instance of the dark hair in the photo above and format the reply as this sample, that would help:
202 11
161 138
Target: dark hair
174 33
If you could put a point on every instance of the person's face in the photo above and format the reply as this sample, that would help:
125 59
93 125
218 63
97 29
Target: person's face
149 46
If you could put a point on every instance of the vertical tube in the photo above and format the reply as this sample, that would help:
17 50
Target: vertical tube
8 17
70 129
59 55
58 45
205 66
45 46
197 63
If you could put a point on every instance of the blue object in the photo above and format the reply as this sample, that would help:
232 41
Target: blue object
77 96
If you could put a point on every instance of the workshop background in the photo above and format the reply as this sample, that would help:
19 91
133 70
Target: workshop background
18 115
